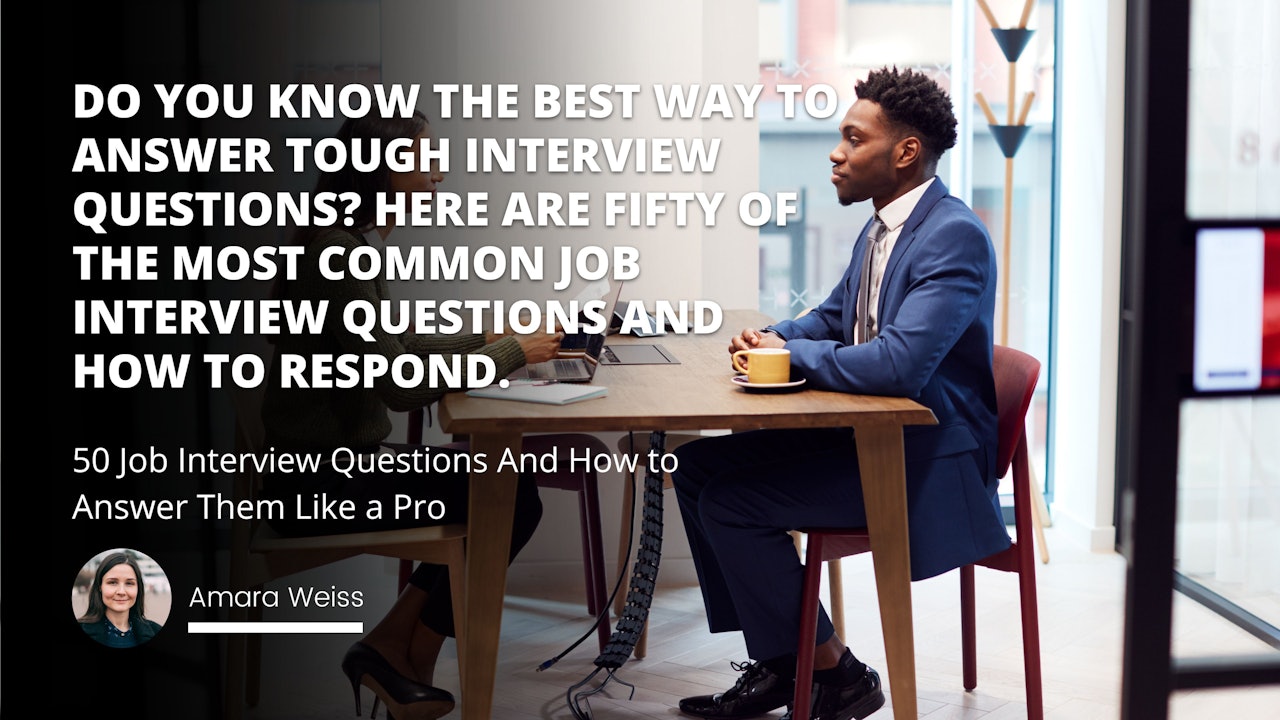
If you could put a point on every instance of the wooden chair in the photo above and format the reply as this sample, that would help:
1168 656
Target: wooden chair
259 555
1016 374
638 447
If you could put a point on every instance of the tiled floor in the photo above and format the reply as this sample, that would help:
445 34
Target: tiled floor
1081 621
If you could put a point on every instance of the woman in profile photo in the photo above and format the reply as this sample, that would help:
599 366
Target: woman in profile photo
397 658
116 615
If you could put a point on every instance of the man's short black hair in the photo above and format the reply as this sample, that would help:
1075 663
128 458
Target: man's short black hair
910 99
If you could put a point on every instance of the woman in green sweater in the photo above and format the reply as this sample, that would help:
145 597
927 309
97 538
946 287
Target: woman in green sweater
397 657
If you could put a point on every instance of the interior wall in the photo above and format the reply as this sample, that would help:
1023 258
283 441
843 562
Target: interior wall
1087 330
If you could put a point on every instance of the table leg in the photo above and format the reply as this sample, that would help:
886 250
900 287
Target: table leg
880 459
492 507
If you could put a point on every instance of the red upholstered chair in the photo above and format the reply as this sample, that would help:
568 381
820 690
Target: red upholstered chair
1016 374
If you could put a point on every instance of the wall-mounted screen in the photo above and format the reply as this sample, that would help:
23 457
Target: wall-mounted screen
1237 309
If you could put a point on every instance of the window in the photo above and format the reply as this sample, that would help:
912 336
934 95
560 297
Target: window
837 42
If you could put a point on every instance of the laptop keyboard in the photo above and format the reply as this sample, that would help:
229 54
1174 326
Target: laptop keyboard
556 368
567 367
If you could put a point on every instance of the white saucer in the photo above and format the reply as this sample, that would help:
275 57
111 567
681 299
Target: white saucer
742 380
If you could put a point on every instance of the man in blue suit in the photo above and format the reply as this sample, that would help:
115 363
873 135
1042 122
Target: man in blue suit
919 325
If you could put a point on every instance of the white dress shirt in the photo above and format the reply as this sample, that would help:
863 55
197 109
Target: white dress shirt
894 216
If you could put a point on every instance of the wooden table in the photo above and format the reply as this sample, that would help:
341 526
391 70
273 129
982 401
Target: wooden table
695 395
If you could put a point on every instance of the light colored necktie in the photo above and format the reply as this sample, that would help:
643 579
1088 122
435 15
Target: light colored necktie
875 236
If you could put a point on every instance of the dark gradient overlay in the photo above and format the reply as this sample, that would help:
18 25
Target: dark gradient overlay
105 44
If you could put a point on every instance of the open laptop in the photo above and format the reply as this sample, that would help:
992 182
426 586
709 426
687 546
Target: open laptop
629 353
575 343
580 368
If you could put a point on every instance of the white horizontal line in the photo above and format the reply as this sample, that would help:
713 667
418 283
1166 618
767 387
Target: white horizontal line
297 628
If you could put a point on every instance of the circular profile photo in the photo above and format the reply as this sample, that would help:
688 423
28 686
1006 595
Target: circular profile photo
121 598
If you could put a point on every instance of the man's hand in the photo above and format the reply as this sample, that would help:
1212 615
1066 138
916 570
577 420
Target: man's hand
752 338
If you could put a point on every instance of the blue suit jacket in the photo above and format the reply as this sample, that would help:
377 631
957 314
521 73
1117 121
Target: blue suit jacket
935 316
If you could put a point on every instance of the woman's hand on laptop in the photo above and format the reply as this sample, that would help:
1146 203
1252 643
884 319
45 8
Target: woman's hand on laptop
540 347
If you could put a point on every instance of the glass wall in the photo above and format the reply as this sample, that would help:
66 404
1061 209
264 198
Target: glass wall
1228 527
837 42
1229 501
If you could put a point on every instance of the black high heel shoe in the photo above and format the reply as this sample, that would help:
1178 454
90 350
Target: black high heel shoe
408 699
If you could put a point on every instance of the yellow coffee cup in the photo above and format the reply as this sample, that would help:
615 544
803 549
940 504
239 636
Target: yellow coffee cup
764 365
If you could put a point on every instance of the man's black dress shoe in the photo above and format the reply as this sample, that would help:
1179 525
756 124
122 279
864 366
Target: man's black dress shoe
757 691
846 702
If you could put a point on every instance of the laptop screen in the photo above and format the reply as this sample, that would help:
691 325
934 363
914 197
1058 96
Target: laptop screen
582 339
595 345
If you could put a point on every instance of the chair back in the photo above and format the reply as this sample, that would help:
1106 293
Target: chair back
1016 374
